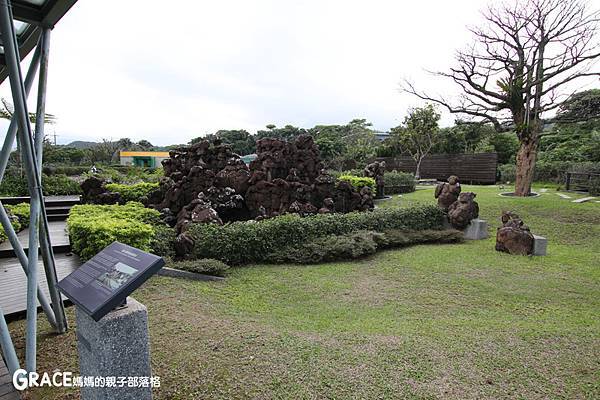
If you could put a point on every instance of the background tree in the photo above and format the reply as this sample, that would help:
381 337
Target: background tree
145 145
514 72
417 135
241 141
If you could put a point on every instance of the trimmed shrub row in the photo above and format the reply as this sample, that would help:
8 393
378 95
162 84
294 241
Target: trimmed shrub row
207 266
93 227
16 185
132 192
358 244
251 241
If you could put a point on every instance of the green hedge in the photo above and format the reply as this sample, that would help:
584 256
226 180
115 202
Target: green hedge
251 241
358 244
207 266
399 182
93 227
359 182
132 192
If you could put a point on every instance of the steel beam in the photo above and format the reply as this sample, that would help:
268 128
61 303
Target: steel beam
12 362
11 53
46 246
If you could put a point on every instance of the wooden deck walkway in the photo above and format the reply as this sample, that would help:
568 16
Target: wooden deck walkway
13 284
58 236
7 390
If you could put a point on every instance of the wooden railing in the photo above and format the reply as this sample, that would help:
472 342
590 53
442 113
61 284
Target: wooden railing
580 180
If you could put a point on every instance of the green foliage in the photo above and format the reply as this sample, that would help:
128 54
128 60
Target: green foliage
207 266
14 185
572 142
132 192
93 227
417 135
399 182
60 184
327 248
163 242
393 238
68 170
581 106
508 173
359 182
241 141
555 171
357 244
595 187
288 132
243 242
21 211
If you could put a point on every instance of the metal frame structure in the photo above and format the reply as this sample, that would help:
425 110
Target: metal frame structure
37 18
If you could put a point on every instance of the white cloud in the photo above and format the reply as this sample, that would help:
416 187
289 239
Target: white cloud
170 71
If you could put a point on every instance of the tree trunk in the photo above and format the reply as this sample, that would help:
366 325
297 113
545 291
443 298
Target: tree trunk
525 167
418 170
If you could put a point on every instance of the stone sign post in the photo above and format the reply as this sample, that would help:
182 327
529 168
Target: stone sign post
112 328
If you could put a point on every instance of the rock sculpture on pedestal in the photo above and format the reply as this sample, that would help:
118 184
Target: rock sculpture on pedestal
462 211
514 236
376 170
447 192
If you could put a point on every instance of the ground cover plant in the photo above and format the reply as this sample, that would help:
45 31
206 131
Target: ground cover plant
451 321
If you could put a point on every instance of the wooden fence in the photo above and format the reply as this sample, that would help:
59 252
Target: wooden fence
470 168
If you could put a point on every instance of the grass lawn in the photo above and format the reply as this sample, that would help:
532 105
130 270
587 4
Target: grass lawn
432 321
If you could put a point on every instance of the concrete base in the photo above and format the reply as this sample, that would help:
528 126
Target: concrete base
116 346
476 230
540 245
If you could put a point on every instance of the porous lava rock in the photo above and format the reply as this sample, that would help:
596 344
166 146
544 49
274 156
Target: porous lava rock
462 211
513 236
447 193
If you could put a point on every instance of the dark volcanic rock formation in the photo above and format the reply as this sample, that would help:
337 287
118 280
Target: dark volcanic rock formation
514 236
209 183
447 192
462 211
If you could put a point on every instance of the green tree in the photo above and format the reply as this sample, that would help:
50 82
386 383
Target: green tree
417 135
524 56
240 140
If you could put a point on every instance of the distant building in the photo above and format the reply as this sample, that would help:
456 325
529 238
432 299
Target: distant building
249 158
381 136
150 159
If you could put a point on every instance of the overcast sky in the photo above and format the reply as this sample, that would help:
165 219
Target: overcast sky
168 71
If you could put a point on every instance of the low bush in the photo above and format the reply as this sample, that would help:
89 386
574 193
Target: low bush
14 185
359 182
508 172
93 227
251 241
68 170
207 266
327 248
399 182
21 211
357 244
60 184
162 243
18 220
132 192
595 187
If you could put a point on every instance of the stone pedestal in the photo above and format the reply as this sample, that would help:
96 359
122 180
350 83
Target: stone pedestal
116 346
540 244
476 230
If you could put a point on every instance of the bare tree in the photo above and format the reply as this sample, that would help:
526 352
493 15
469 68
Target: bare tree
513 74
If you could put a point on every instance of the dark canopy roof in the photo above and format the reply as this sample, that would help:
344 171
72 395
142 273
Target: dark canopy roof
30 17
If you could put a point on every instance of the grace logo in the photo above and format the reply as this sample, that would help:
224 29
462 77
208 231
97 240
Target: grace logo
23 379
